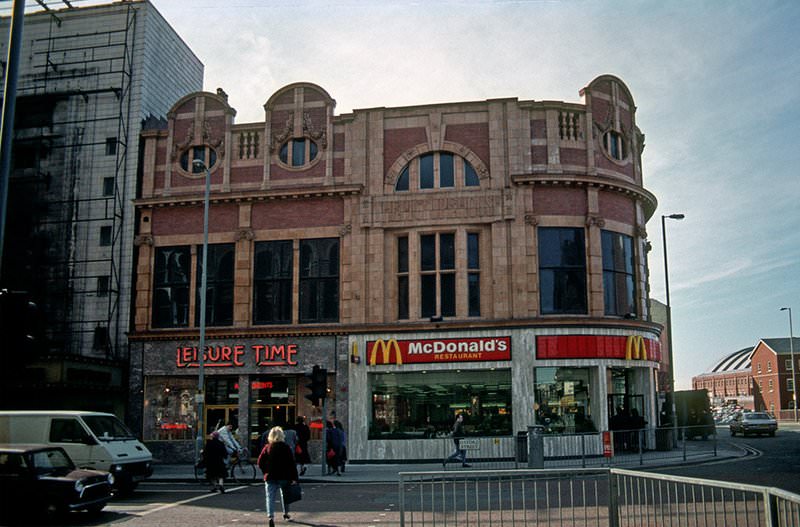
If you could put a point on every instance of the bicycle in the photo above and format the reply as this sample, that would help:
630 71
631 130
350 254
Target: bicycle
242 470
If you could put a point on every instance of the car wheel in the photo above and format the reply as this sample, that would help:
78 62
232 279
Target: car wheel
94 510
52 509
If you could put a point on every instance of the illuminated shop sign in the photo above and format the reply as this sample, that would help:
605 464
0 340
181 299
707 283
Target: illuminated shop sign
393 351
237 356
631 347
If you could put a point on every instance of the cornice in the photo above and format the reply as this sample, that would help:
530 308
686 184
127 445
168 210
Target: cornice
343 330
196 198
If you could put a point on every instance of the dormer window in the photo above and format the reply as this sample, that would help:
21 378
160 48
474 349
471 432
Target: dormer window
203 153
298 153
437 170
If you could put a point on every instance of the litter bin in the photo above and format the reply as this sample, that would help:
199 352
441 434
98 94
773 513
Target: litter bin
663 439
522 447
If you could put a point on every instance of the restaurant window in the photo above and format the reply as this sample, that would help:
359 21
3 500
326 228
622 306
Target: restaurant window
425 404
562 270
272 282
171 287
169 408
219 285
562 402
319 280
618 274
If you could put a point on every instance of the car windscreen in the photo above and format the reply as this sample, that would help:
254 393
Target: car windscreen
52 462
107 427
756 415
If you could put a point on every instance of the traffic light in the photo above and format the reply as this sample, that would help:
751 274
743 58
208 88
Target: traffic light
318 385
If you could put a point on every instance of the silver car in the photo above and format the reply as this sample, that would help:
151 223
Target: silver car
753 423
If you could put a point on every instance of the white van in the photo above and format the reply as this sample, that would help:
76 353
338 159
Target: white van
93 440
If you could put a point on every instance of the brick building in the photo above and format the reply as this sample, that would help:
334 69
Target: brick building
772 376
485 257
729 380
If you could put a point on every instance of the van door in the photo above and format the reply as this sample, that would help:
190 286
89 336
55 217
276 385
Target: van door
69 433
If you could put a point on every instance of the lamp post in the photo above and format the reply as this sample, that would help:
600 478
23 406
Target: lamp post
200 397
671 369
794 364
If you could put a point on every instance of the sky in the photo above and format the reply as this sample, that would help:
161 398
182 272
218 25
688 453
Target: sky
716 89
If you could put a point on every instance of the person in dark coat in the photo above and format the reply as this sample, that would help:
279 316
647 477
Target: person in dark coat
459 454
303 436
334 440
342 452
214 454
277 463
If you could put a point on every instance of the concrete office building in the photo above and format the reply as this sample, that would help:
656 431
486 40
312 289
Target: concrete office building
88 77
484 257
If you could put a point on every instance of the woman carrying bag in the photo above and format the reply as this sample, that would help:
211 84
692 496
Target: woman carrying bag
276 461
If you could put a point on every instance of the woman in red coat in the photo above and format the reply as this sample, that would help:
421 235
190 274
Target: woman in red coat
277 463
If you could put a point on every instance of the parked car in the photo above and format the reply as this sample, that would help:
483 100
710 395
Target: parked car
41 479
753 423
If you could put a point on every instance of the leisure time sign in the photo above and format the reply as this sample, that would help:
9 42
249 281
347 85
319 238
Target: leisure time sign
479 349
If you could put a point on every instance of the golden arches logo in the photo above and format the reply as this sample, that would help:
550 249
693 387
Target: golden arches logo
635 348
386 347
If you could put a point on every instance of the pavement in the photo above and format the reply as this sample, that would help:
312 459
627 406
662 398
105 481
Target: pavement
696 452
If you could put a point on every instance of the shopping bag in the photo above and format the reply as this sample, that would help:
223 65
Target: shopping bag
292 493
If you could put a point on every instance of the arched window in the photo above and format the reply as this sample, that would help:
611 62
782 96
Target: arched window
437 170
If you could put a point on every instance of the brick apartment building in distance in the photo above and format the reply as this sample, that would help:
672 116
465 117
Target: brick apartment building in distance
483 257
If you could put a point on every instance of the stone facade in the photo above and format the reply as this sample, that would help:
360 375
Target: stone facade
492 173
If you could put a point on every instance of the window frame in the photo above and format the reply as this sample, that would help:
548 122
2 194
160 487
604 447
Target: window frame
280 283
219 289
463 175
318 289
176 287
562 274
619 270
286 154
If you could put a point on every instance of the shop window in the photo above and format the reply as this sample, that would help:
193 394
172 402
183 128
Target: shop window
425 404
298 152
562 402
437 170
203 153
219 285
272 282
169 408
619 291
319 280
562 270
171 287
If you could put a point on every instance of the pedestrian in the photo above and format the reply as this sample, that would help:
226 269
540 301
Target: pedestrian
214 455
342 453
276 461
290 438
230 442
303 436
459 454
333 440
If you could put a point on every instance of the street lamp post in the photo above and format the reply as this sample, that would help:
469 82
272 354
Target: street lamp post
200 397
794 364
671 369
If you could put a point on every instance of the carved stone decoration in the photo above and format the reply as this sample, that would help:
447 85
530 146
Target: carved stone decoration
641 232
345 230
532 220
595 221
177 148
279 137
143 239
245 234
320 136
648 247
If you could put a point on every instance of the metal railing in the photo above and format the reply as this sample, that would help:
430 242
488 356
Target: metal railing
629 448
587 497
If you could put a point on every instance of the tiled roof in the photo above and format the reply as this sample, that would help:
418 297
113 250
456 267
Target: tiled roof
781 346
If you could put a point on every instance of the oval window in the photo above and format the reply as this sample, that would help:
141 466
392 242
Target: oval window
298 152
203 153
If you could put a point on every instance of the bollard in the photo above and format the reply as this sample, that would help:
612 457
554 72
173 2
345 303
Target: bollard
535 446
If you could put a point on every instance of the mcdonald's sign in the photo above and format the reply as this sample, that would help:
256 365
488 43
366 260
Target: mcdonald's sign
635 348
474 349
385 347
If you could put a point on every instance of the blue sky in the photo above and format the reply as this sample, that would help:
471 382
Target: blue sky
715 83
